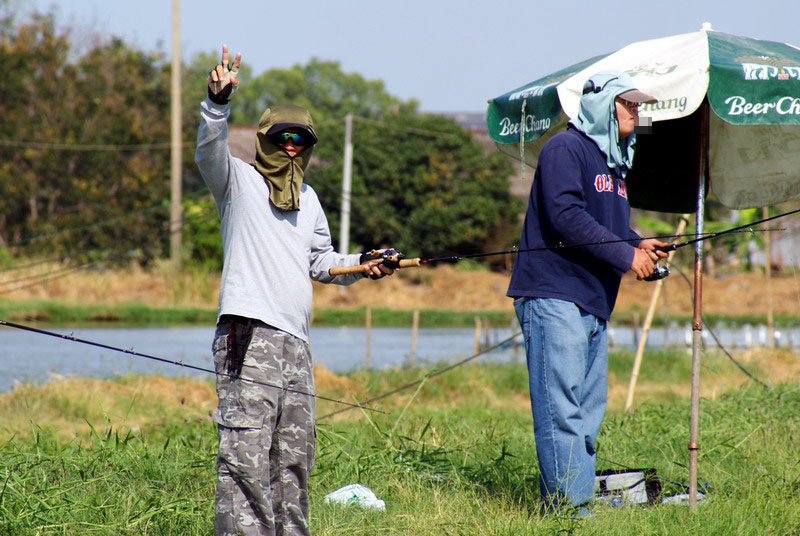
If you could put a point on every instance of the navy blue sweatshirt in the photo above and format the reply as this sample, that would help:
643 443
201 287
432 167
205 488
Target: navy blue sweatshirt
575 199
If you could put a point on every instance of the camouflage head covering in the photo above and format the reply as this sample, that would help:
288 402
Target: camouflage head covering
283 173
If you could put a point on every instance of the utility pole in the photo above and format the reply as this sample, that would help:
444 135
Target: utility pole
347 172
175 219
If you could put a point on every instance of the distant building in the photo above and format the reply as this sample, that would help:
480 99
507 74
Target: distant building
242 142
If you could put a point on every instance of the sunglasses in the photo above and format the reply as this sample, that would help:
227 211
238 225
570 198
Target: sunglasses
628 104
283 137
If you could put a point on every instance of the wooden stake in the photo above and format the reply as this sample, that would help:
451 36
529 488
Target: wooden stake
476 347
414 328
648 321
368 358
768 276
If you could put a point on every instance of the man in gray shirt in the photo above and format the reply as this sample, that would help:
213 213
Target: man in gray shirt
275 239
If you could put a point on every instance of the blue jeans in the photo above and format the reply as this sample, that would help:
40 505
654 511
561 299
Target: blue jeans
567 353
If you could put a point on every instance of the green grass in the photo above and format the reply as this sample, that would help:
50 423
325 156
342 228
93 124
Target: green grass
454 458
60 312
398 318
56 312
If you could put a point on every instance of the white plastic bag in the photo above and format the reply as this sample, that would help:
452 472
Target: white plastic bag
355 494
682 498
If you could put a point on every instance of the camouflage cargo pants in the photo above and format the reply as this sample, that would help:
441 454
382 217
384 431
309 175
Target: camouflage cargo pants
266 436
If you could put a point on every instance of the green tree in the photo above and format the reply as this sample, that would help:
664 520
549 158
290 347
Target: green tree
321 87
110 95
421 183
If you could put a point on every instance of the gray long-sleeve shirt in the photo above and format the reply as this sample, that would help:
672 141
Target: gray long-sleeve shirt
270 255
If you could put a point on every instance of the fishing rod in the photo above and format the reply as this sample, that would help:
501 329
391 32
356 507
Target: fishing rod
181 364
740 229
662 270
394 259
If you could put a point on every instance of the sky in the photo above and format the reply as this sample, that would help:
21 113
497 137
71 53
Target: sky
451 56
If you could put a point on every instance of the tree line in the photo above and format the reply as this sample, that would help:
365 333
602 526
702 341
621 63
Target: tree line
84 154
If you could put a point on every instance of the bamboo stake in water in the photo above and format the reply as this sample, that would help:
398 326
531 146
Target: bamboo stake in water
768 276
648 321
476 347
414 328
368 358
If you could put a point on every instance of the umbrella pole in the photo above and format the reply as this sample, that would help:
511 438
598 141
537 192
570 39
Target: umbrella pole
697 324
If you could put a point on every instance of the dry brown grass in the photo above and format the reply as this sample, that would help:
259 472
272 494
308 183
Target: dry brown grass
66 405
744 293
442 287
155 286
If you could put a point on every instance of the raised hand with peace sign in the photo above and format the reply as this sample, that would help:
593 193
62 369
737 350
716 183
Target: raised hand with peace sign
222 81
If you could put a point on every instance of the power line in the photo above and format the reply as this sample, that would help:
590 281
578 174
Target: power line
162 146
434 133
197 194
25 144
59 273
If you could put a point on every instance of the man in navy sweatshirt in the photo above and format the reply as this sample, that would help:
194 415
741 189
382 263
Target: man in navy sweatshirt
564 296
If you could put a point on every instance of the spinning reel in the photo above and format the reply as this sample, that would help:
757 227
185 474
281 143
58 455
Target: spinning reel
391 257
660 272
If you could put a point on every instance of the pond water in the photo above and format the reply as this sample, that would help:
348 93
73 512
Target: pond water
32 357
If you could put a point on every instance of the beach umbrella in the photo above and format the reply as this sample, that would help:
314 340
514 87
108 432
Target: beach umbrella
727 118
752 88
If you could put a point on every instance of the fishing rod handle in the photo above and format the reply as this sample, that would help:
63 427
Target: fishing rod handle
359 268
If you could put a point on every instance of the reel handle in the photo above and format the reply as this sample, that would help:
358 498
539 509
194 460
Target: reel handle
358 269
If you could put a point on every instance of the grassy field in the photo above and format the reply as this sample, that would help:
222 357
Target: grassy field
135 455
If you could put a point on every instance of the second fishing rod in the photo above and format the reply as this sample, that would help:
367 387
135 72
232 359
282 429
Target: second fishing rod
394 259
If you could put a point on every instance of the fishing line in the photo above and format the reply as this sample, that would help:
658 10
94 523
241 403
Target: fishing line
747 228
703 236
714 335
741 228
426 377
181 364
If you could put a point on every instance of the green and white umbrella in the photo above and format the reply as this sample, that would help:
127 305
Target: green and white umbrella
728 115
751 86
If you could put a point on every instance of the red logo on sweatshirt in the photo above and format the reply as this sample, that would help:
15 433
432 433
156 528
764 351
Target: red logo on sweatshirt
621 190
604 183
